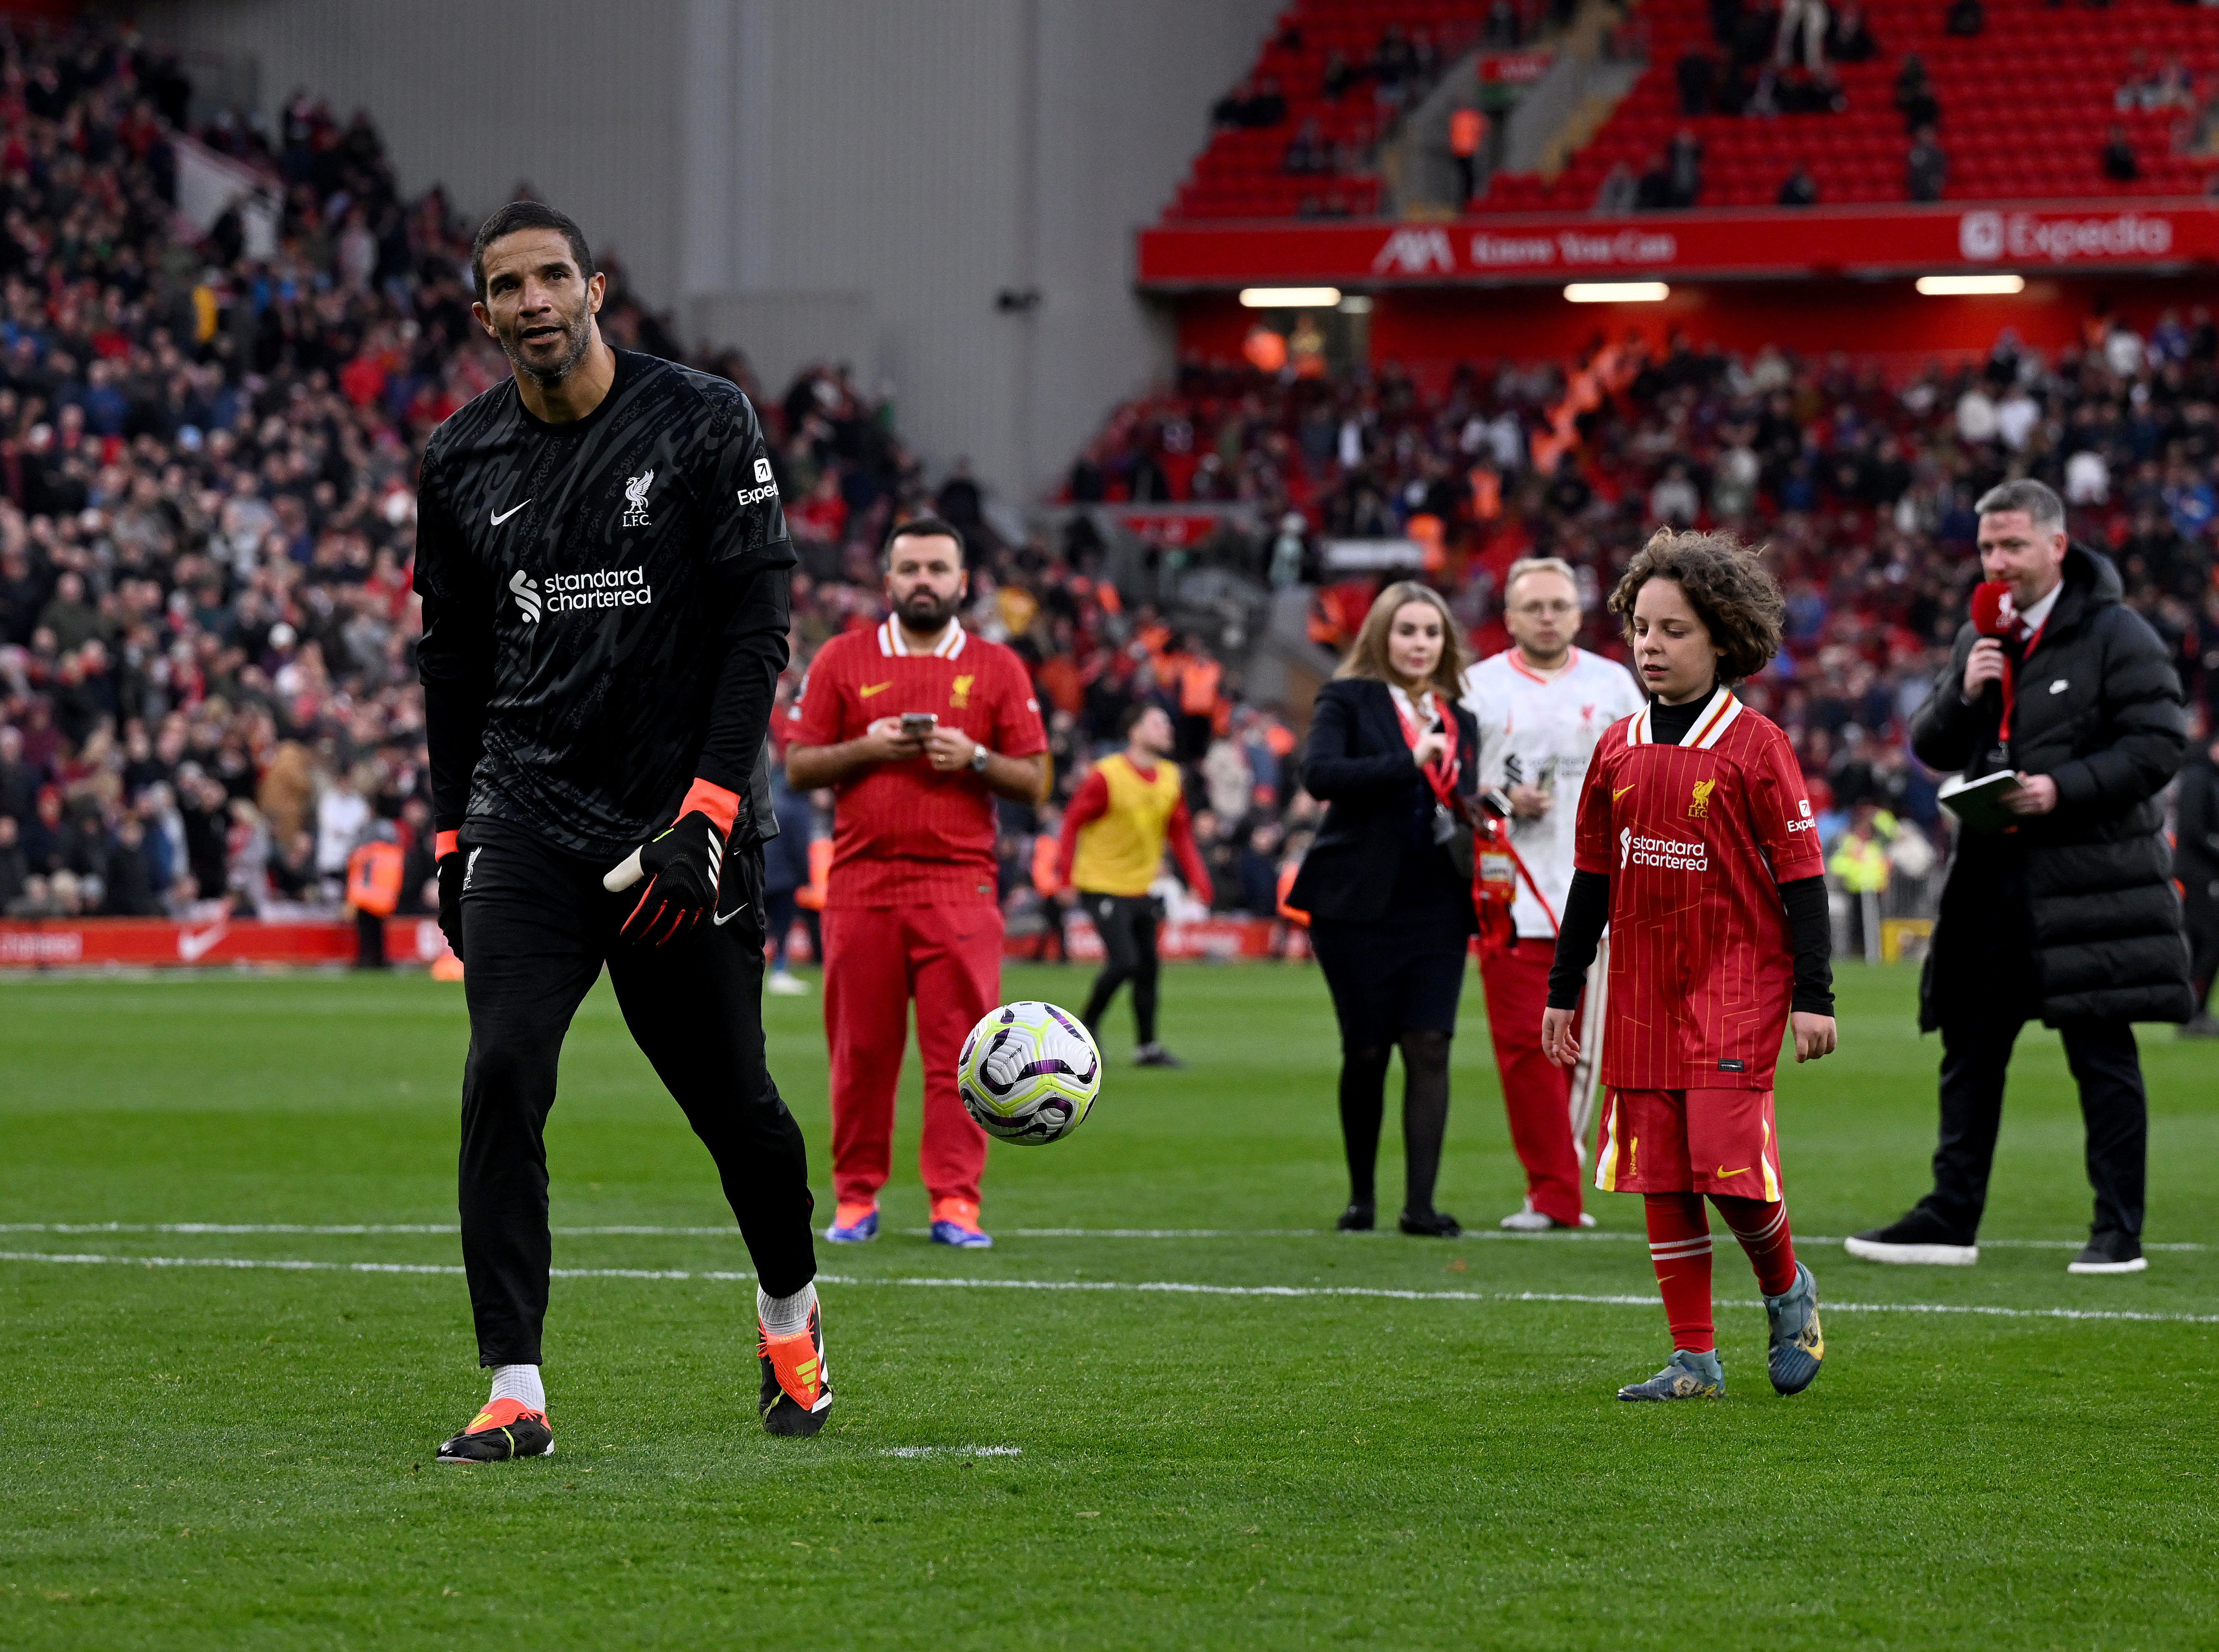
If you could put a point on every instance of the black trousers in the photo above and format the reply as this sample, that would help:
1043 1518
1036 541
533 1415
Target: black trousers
1395 983
1127 924
2202 916
537 927
1976 1050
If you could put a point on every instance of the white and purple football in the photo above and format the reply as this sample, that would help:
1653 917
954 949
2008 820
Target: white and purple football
1029 1073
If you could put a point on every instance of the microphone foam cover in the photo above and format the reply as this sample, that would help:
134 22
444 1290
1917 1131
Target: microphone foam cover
1989 599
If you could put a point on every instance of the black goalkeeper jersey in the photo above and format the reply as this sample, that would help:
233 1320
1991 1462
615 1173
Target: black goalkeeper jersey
605 607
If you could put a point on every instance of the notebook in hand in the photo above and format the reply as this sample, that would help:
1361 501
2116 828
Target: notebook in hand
1980 804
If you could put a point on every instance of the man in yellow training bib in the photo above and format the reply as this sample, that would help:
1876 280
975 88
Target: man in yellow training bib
1112 848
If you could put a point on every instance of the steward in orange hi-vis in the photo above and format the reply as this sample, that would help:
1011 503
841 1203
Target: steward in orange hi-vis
373 880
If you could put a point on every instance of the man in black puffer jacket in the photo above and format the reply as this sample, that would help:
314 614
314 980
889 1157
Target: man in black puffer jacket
2071 914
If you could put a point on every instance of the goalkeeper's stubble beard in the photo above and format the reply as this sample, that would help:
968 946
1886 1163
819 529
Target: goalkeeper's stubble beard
577 339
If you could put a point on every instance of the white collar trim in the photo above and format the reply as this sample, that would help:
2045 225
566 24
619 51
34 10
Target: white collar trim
893 646
2038 616
1717 715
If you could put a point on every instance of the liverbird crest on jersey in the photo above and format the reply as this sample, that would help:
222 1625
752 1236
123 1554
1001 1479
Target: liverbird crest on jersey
1699 806
634 515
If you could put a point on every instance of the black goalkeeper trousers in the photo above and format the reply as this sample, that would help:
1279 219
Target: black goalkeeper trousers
537 927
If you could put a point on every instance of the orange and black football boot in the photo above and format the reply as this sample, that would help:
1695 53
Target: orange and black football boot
502 1431
796 1390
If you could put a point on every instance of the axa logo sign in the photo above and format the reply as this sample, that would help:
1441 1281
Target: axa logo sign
1987 236
1415 253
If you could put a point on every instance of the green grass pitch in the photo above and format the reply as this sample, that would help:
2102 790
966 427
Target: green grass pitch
201 1455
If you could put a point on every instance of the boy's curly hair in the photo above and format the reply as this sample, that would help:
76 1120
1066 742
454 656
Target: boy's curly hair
1739 602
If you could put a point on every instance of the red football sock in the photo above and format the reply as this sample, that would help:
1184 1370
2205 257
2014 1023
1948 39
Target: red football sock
1680 1249
1763 1230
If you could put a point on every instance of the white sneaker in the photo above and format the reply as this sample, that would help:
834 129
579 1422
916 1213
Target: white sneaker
1528 1220
785 985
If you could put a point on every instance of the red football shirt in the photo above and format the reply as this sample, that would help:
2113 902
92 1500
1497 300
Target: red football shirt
903 833
1695 839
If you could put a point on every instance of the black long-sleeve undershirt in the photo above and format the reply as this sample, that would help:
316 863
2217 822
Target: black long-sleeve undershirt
1587 913
747 684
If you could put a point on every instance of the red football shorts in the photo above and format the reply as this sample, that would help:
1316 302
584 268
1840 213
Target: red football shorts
1689 1141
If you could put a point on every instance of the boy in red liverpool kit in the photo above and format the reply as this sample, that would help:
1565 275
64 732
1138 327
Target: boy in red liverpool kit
1697 846
917 727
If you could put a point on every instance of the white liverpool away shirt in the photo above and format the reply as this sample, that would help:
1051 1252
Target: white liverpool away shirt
1540 732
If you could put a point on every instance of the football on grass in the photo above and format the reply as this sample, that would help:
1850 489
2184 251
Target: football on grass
1029 1073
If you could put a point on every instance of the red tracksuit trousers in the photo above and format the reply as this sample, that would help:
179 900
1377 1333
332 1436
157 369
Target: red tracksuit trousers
1536 1092
876 959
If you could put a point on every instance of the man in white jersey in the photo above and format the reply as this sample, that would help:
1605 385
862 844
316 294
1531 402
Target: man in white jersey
1542 705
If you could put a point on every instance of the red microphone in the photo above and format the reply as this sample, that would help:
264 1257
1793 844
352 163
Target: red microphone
1991 598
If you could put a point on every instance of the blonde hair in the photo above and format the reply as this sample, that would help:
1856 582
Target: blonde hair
1367 655
1525 565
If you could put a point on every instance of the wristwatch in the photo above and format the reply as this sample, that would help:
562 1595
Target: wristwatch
979 758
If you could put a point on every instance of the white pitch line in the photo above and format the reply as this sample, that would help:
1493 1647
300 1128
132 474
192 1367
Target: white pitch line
642 1231
1170 1287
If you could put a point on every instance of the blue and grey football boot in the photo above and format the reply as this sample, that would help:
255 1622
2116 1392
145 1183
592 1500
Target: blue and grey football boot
1797 1348
1689 1374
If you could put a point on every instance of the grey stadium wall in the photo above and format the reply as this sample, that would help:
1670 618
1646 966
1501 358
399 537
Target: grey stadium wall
810 178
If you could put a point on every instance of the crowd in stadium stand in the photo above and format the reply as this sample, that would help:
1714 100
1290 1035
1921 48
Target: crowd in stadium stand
207 512
207 517
1861 483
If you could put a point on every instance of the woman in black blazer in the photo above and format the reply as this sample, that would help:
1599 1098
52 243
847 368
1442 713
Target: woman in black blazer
1387 882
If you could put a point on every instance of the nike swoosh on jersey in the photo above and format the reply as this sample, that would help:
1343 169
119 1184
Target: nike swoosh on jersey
869 689
1723 1172
1621 792
501 517
720 919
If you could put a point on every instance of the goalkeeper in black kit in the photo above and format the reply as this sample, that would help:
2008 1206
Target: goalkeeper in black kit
603 567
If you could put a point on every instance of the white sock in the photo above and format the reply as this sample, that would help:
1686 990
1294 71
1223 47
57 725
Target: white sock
521 1383
785 1316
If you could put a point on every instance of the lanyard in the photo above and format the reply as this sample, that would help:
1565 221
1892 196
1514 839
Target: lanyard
2011 677
1442 774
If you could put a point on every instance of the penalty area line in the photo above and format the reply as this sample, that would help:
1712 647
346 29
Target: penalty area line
1158 1286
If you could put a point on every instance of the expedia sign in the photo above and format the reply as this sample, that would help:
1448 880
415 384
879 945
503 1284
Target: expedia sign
1900 238
2039 238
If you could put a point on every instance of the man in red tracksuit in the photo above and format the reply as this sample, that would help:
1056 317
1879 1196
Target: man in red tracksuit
917 727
